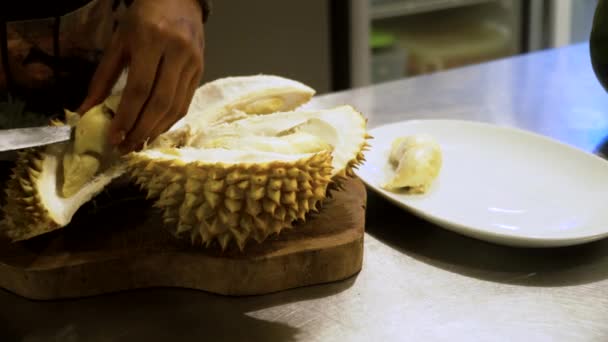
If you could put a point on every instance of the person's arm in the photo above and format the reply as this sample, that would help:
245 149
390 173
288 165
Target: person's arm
162 44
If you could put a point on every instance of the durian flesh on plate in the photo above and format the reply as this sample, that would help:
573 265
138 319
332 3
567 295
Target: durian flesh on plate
249 178
416 161
49 184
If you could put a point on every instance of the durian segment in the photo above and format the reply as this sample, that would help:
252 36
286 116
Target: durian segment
34 203
263 106
229 98
417 161
342 128
84 159
78 169
246 179
48 185
298 142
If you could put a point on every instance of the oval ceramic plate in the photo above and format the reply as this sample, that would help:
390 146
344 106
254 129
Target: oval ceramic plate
500 184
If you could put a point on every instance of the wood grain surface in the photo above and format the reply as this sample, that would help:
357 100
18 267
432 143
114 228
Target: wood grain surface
118 243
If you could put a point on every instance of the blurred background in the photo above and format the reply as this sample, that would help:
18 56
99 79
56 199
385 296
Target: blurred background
333 45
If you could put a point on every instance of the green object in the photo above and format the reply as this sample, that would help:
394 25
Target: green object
382 40
598 43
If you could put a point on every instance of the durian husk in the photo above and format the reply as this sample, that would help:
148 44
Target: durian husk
210 202
224 202
207 201
35 202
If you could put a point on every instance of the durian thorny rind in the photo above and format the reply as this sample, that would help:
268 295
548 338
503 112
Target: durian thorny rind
49 184
252 177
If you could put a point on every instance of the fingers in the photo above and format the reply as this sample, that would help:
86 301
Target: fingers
106 74
165 67
198 61
143 65
161 99
181 103
194 84
173 114
181 64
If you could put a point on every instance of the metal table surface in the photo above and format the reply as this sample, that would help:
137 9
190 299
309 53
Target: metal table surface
418 282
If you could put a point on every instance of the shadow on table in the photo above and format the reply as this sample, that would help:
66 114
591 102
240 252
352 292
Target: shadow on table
475 258
154 315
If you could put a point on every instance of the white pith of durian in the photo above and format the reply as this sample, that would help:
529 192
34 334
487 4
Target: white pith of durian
217 100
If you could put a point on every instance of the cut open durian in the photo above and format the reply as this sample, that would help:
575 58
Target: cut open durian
242 164
49 184
249 178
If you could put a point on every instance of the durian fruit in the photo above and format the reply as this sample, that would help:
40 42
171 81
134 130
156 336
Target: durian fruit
49 184
245 179
242 164
416 160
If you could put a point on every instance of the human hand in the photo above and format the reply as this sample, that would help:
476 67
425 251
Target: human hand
162 44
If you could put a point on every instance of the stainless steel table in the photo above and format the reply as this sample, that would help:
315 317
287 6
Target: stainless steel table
418 282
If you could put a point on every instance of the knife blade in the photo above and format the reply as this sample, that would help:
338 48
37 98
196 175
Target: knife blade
20 138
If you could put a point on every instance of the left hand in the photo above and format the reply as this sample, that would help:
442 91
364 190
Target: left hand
162 44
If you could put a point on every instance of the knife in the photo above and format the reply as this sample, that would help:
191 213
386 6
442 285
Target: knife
20 138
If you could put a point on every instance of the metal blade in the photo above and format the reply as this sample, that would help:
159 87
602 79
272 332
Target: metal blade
19 138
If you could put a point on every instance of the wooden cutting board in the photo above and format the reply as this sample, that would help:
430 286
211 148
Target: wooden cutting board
117 243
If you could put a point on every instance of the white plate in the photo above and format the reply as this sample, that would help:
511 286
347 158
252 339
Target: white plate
502 185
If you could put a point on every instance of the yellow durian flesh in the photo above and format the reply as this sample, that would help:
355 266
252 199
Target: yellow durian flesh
112 102
304 142
78 169
416 161
250 178
90 148
263 105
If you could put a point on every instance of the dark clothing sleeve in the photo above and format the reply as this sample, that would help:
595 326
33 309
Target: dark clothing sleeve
38 9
